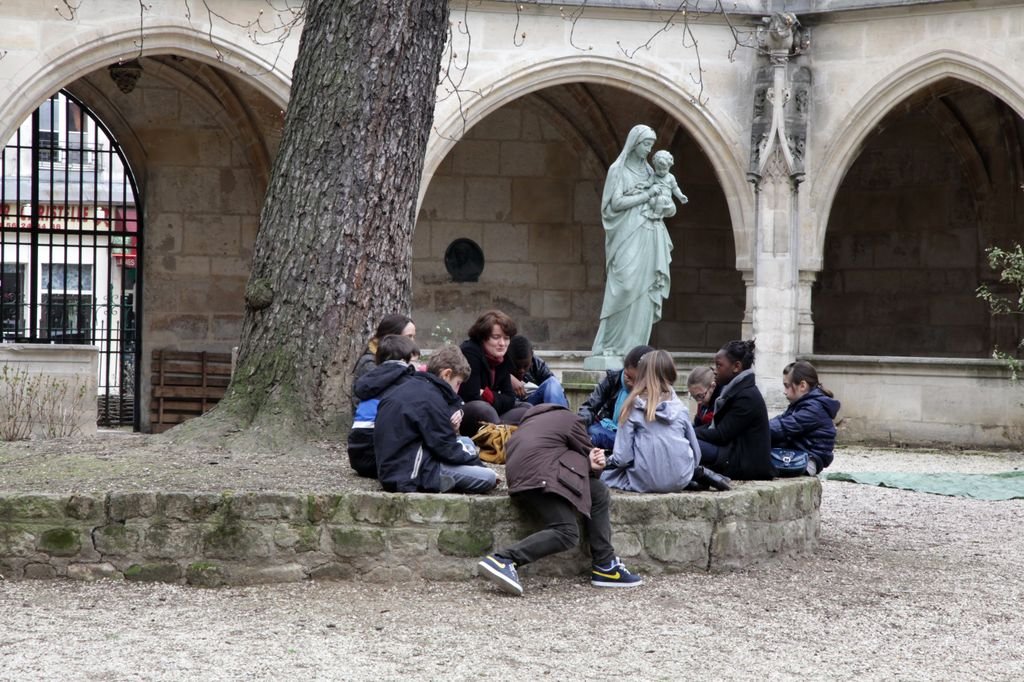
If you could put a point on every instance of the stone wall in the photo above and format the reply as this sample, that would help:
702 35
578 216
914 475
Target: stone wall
200 145
213 539
525 185
64 378
905 248
968 403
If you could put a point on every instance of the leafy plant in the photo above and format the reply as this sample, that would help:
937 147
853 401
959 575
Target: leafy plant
1010 266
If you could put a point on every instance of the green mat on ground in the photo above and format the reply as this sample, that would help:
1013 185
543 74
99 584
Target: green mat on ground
1008 485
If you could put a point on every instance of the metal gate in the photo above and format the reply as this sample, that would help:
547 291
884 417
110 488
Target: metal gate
71 243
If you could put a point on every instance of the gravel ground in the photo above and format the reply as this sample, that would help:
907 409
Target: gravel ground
905 586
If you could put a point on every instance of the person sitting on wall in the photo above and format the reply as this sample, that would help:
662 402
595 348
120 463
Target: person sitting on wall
701 386
397 324
656 449
394 355
488 391
532 380
553 471
601 411
737 443
808 424
416 437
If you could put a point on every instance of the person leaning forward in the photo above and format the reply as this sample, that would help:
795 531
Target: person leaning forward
553 469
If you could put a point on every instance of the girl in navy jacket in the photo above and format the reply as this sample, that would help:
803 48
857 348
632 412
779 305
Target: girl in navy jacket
808 423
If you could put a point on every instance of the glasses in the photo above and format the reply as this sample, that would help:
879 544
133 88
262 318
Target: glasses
699 397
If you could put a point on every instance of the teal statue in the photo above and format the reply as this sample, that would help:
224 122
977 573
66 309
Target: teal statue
636 200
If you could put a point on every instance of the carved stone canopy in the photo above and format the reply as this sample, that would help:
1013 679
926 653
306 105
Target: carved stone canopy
126 74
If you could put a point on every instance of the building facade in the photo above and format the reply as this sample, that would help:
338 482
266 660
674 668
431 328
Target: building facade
847 163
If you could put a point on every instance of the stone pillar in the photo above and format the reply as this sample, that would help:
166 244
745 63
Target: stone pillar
778 300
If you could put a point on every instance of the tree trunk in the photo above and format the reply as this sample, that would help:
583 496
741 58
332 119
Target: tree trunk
333 254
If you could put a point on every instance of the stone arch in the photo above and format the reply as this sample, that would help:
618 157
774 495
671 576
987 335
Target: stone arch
77 56
863 118
714 133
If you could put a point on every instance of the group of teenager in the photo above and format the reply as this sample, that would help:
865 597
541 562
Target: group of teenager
413 428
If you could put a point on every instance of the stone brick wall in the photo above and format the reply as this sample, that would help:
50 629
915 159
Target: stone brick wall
525 186
200 143
906 240
210 539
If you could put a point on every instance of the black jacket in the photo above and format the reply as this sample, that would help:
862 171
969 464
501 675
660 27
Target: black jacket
539 371
740 430
364 364
601 403
414 433
370 388
480 377
808 425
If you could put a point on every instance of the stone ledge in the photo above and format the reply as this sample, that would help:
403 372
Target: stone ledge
211 539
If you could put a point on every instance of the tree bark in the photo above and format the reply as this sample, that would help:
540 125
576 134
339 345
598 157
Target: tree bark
333 254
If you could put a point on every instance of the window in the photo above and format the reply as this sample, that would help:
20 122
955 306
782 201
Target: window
13 300
49 130
67 302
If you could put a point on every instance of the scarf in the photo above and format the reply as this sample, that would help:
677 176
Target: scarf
729 389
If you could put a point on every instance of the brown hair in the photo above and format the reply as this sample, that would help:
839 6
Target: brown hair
655 375
801 370
700 376
448 357
394 347
481 329
392 324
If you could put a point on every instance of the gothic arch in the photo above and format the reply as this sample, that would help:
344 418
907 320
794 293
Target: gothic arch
716 135
76 56
863 118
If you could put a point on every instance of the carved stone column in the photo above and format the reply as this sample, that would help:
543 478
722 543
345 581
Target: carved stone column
778 313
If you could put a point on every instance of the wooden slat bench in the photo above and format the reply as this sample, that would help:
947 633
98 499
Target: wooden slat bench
185 385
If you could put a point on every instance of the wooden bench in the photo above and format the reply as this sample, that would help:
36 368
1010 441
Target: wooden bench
185 385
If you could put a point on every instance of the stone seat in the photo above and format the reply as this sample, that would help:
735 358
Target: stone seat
210 539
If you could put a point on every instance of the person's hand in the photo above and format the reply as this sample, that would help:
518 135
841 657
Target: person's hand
684 200
597 459
518 387
457 419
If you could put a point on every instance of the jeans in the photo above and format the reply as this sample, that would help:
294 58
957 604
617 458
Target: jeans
549 391
477 412
467 478
561 531
708 455
601 437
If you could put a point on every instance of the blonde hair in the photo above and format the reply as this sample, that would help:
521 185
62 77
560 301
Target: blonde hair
655 375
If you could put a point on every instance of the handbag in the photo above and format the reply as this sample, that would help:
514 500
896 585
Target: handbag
789 462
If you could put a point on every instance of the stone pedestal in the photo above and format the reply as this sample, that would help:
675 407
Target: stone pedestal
602 362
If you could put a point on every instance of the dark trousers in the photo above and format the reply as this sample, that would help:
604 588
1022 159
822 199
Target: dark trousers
477 412
710 456
561 531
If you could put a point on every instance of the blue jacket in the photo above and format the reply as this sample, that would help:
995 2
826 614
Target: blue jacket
657 456
414 434
369 389
808 425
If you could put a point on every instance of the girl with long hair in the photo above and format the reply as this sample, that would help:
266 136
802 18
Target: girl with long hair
656 448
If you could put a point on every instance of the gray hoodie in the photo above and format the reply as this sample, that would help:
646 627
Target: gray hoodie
657 456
